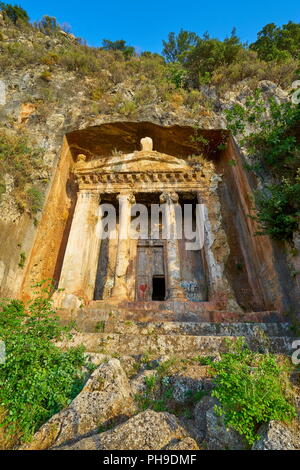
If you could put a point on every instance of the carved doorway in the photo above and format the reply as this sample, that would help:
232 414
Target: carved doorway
150 277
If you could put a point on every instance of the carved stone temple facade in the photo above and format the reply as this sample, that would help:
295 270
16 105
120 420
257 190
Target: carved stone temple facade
121 268
143 270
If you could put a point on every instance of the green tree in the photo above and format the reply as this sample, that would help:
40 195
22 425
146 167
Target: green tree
176 48
278 43
14 12
208 54
48 25
119 45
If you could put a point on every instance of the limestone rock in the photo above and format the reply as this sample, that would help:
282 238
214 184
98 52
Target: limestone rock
106 395
189 381
146 431
138 383
186 444
277 436
212 429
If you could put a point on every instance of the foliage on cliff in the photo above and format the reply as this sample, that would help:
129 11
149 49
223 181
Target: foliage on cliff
195 75
273 144
37 379
199 60
25 163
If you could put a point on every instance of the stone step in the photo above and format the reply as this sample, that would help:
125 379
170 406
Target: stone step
161 345
186 328
88 319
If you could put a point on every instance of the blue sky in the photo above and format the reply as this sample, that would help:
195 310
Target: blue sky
144 24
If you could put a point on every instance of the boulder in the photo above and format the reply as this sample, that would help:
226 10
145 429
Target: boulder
212 429
189 381
106 395
185 444
148 430
277 436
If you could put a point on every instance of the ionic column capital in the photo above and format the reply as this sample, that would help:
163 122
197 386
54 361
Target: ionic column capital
89 194
129 197
169 198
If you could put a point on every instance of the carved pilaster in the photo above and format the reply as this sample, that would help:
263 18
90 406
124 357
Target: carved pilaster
78 273
122 262
174 289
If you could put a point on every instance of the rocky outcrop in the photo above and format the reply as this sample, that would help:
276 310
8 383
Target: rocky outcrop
106 395
212 429
146 431
277 436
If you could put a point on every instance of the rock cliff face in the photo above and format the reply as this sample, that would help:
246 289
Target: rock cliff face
57 112
61 115
68 124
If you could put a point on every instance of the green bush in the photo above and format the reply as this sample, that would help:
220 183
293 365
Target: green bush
14 12
279 209
252 389
277 43
34 199
22 161
38 379
273 145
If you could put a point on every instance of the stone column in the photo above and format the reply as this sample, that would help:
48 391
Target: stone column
174 289
119 291
215 273
78 274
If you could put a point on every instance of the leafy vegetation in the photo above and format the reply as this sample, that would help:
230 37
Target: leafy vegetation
38 379
273 144
210 60
195 60
119 45
278 43
14 13
24 162
252 389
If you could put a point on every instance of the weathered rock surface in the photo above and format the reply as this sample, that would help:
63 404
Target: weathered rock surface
146 431
138 383
277 436
107 394
212 430
186 444
188 382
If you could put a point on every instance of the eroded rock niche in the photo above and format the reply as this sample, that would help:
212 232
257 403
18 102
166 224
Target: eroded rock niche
131 164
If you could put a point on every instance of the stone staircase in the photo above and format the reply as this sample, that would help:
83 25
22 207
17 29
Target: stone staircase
105 333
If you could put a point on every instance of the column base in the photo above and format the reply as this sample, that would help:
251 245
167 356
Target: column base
176 293
119 292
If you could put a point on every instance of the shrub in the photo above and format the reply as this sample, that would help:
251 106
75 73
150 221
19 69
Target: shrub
34 199
252 389
278 43
176 75
208 54
119 45
127 108
47 25
22 161
279 209
14 12
38 379
272 140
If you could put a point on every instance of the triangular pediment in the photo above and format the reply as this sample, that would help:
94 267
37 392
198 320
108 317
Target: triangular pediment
143 161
